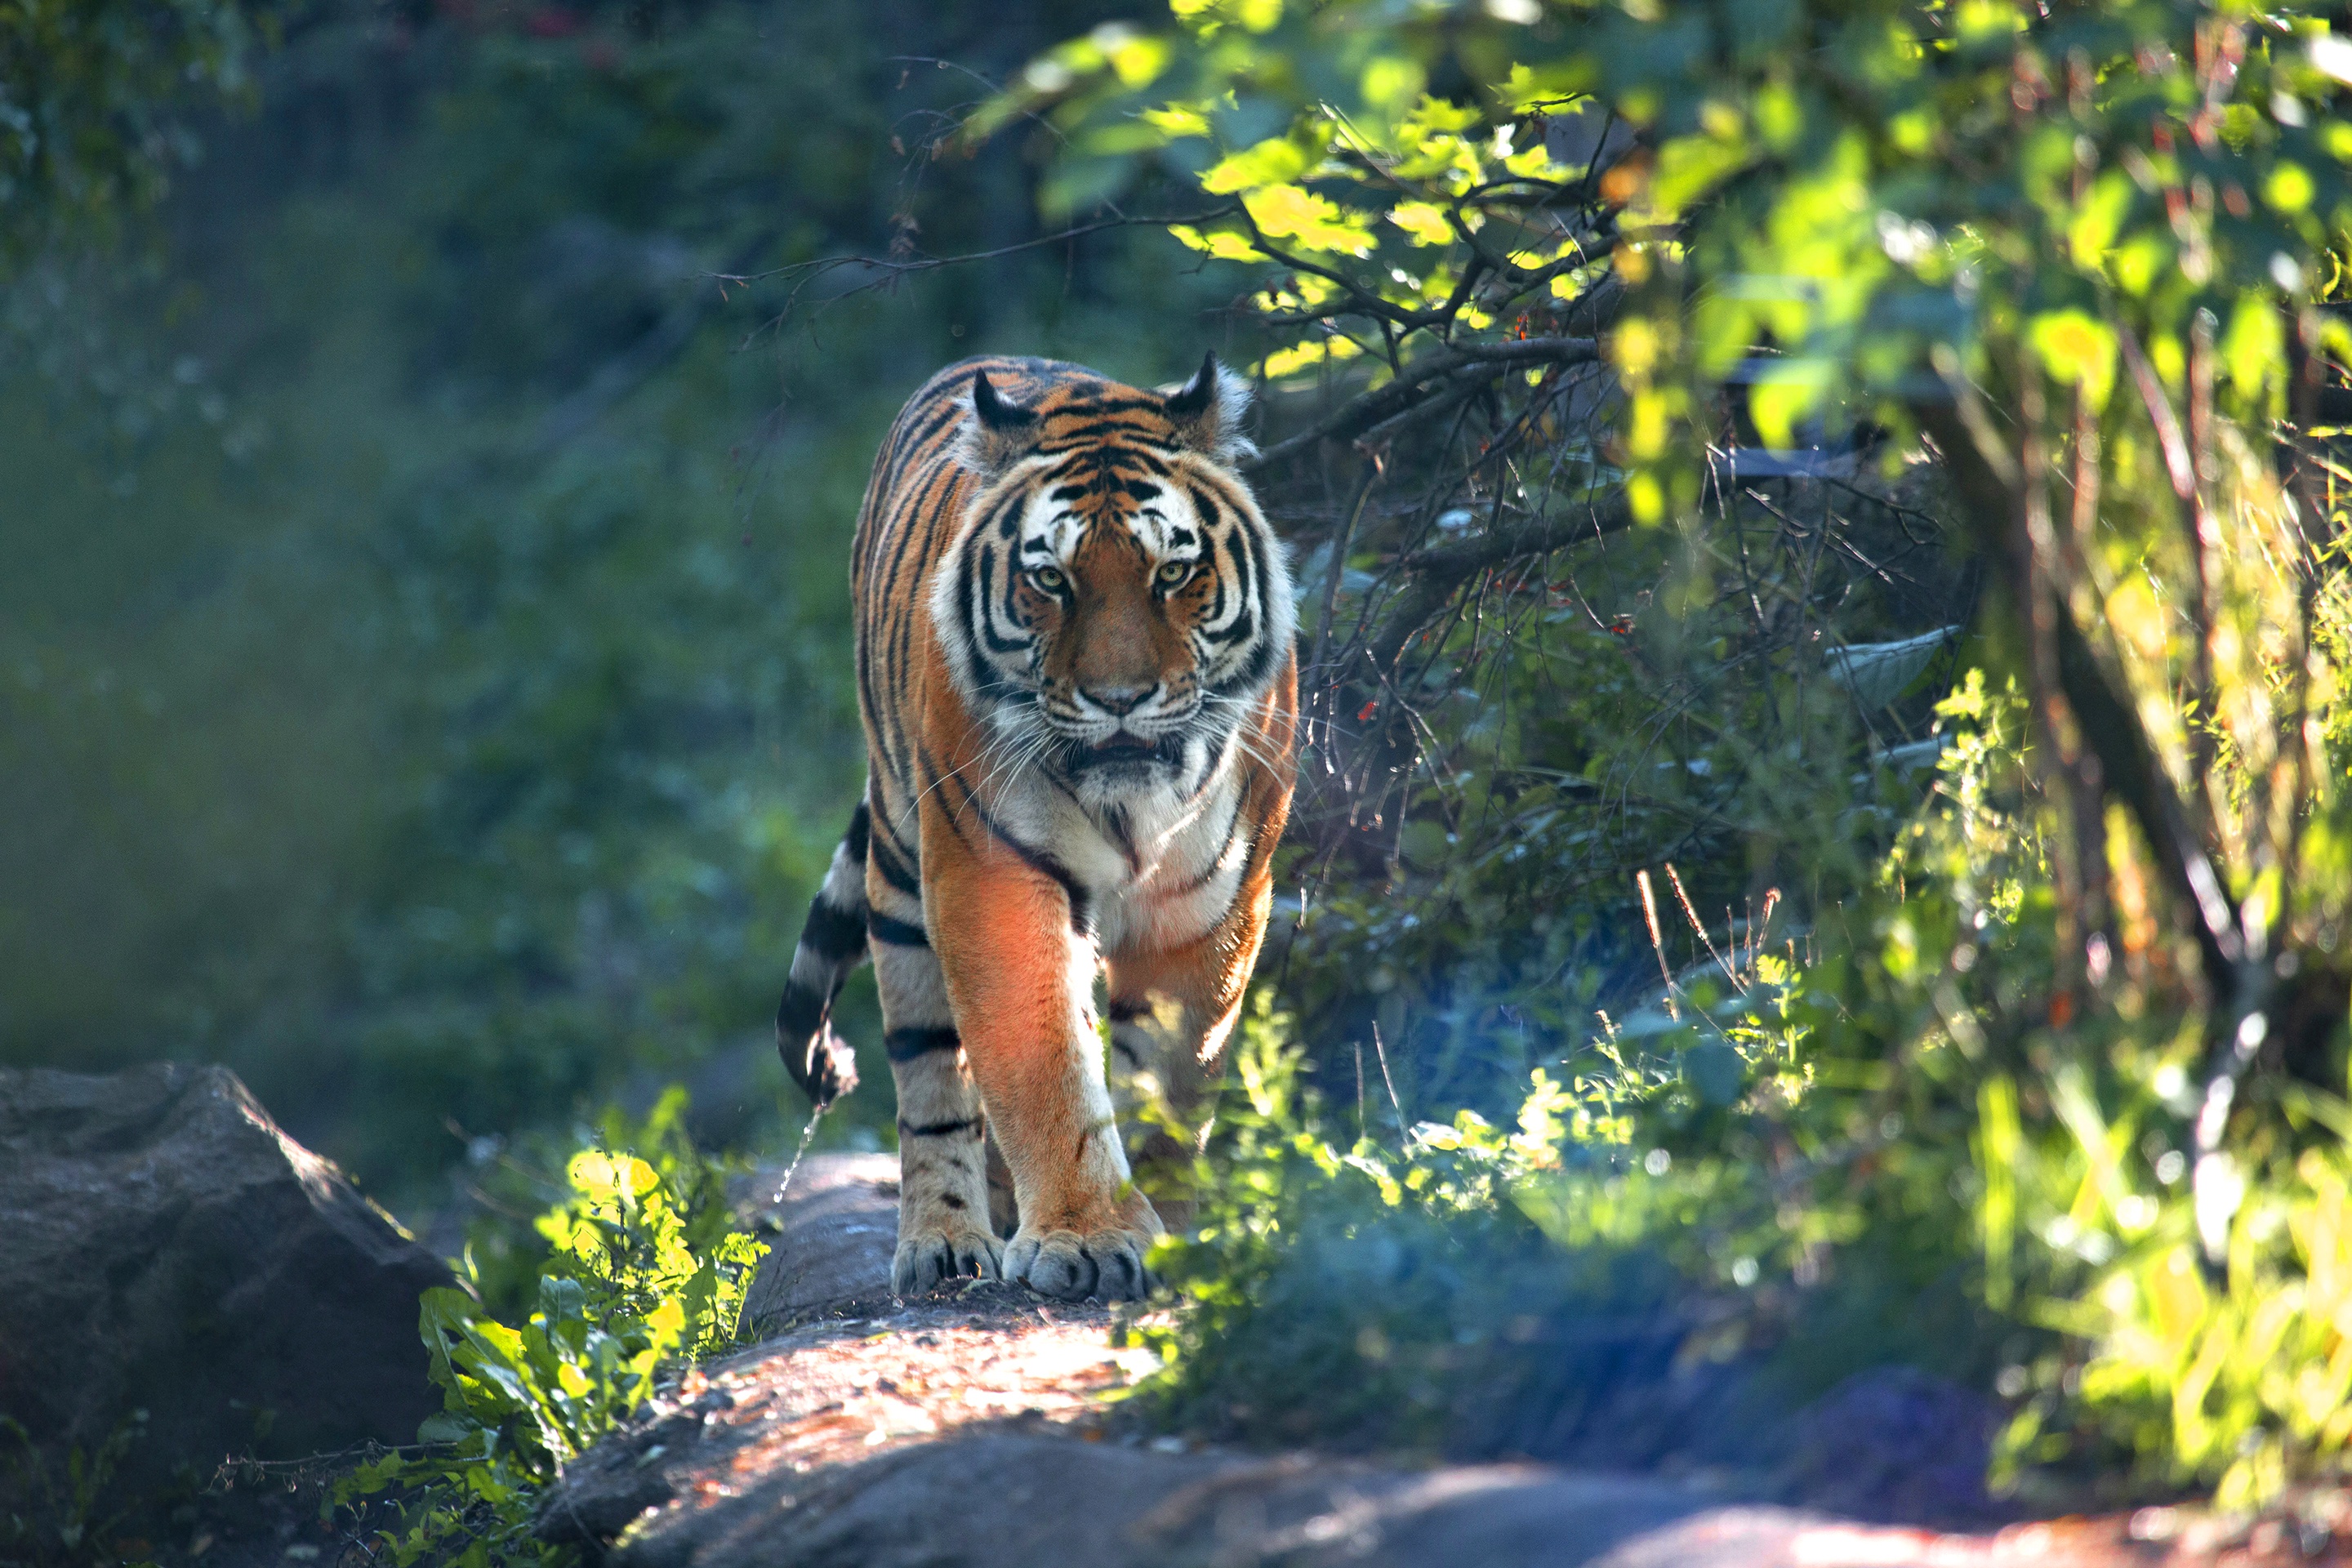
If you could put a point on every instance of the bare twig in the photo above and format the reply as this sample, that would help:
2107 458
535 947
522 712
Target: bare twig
1421 377
1657 941
804 274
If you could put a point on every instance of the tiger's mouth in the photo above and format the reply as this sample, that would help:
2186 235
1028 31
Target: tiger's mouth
1123 748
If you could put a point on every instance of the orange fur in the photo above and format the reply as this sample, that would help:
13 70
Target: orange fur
1079 693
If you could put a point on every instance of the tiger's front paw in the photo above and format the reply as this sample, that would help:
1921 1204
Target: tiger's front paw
1071 1266
929 1257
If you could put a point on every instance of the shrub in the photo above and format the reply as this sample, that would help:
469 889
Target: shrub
642 1272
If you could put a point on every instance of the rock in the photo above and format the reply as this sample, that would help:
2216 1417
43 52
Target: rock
167 1248
979 1427
1006 1500
829 1240
1896 1443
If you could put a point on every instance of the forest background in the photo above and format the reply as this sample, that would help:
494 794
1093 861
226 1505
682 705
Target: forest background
425 614
1820 557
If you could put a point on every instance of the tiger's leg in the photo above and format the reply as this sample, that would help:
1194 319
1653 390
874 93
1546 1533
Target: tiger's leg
943 1221
1022 984
1171 1014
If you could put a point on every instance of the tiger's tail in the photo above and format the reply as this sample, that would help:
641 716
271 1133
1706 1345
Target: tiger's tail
833 944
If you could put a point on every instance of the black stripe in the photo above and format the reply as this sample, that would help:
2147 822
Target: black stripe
1116 405
1242 544
798 1016
1127 1010
984 625
1114 824
919 441
832 933
906 1044
938 1128
1243 624
1253 672
929 776
859 823
1216 862
1038 861
894 870
910 512
869 702
1006 523
897 933
900 620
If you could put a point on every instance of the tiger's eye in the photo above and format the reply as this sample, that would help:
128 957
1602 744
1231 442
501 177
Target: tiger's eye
1174 574
1049 578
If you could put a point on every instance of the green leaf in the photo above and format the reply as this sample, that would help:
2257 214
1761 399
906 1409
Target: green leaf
443 1426
1310 222
1273 161
2077 348
1424 221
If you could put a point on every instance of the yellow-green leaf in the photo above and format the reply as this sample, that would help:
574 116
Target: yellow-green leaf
2289 188
1310 221
1424 221
2076 348
1224 245
1273 161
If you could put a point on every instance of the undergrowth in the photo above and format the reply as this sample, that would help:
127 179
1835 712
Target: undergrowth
642 1271
64 1513
1875 1142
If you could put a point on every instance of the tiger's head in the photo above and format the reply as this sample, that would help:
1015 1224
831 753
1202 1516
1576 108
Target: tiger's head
1115 605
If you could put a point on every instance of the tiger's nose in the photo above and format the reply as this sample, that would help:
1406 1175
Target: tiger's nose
1118 700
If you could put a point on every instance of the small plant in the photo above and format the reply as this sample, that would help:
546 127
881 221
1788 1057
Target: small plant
528 1200
643 1273
71 1520
1361 1293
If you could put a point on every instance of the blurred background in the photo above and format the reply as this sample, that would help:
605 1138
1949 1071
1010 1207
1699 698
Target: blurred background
431 432
424 648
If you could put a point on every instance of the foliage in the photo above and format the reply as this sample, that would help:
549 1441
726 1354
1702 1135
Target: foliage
390 704
1794 1168
1324 1287
62 1521
1578 294
506 1253
644 1272
95 106
1778 225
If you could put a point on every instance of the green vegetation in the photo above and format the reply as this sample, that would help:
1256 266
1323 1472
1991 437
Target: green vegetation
1821 535
423 653
68 1512
643 1273
1686 404
95 104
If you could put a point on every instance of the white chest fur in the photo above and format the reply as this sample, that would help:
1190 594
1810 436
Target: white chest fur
1159 871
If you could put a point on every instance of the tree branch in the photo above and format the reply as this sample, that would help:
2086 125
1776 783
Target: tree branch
1420 380
1437 572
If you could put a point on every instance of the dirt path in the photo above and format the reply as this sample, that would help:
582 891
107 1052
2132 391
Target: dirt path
972 1429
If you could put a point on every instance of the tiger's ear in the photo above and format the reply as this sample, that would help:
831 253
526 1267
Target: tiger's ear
1207 413
1000 432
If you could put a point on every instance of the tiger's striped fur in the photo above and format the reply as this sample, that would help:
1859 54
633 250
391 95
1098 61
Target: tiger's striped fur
1075 671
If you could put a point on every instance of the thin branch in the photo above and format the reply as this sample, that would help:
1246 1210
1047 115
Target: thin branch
804 273
1435 574
1419 383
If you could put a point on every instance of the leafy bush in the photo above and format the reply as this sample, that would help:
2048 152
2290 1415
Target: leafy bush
528 1213
1670 405
642 1272
1787 1169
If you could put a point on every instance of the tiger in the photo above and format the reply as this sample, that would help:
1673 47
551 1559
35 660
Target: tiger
1079 691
